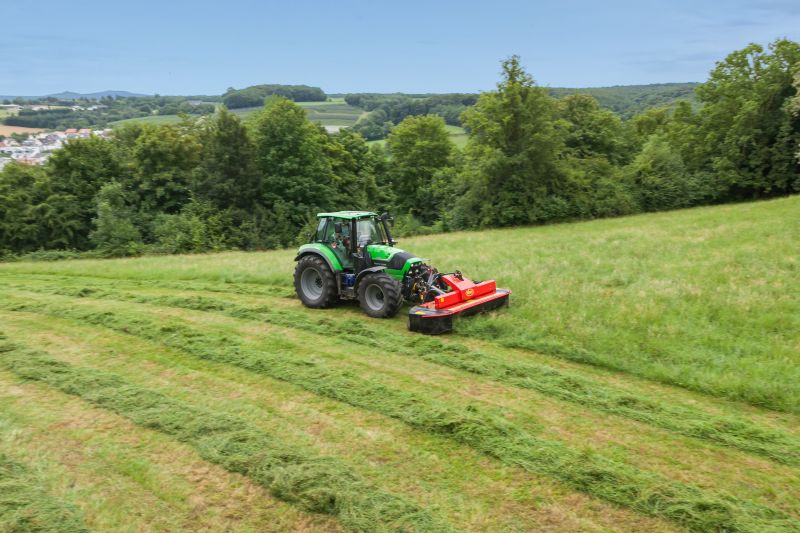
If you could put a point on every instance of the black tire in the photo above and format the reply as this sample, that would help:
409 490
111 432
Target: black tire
380 295
314 282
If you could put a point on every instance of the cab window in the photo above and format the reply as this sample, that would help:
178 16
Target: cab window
320 235
369 230
330 230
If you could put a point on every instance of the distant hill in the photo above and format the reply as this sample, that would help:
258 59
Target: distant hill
628 100
255 94
70 95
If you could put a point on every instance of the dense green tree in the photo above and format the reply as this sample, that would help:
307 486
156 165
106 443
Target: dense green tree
592 131
77 172
22 189
514 162
419 148
376 125
165 159
115 230
746 132
227 176
296 175
353 168
660 179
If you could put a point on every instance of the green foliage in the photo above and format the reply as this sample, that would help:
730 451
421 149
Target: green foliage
296 175
196 228
394 108
627 101
79 169
746 132
256 95
216 183
354 167
513 155
376 125
419 148
103 112
115 231
226 175
165 159
23 190
593 132
660 178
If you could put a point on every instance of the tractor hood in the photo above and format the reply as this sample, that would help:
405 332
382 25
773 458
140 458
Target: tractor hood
396 260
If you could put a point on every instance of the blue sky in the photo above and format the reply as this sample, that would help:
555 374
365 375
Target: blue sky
199 47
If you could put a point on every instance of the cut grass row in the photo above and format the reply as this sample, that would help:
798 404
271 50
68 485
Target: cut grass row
127 478
26 507
472 491
610 480
316 484
680 419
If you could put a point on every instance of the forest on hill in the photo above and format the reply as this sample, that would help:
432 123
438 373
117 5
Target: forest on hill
221 183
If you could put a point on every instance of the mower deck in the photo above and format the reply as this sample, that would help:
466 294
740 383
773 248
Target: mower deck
464 298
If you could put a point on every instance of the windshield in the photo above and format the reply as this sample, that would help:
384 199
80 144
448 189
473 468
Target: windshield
370 230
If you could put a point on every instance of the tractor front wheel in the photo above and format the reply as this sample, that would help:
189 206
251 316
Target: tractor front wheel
380 295
314 282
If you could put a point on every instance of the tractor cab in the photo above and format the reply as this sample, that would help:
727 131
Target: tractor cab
348 234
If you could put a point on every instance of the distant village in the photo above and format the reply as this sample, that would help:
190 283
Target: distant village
37 148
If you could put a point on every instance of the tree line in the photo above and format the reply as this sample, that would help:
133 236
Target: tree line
108 110
387 110
255 95
221 183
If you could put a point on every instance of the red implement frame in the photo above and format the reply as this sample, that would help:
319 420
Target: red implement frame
465 297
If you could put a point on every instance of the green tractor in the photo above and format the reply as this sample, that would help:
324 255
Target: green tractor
353 256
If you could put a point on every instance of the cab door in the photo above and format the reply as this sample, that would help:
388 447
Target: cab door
339 239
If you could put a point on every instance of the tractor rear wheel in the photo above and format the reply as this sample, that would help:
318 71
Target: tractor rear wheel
314 282
380 295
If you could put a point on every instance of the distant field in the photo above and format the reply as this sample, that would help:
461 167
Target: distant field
154 119
332 113
8 130
457 134
646 377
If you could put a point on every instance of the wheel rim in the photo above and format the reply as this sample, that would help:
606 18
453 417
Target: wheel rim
374 297
311 283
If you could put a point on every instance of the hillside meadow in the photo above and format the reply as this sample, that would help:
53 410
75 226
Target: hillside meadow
334 112
644 377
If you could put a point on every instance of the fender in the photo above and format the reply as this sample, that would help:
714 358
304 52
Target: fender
325 253
367 271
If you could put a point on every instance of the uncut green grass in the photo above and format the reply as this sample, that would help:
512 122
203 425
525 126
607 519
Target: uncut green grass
315 484
706 298
681 419
607 479
25 506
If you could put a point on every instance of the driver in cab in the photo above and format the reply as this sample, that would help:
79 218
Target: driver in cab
341 237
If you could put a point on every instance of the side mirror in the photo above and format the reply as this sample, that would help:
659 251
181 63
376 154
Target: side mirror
337 227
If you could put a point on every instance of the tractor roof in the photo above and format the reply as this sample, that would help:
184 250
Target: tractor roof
349 215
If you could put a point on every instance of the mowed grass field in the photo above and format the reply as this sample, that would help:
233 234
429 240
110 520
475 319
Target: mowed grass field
645 377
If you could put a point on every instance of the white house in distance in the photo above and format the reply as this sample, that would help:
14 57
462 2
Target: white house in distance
36 149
